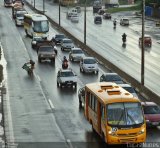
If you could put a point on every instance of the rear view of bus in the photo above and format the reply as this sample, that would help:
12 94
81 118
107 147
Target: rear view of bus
36 25
114 113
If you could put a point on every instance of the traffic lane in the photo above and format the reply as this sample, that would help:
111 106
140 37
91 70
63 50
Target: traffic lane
24 93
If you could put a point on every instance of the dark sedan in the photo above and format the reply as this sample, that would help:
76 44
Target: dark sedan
58 38
111 77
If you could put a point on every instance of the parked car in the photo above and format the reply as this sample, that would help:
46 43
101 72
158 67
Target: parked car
111 77
66 44
66 78
58 38
107 16
88 65
130 89
98 19
76 54
152 113
147 41
124 22
81 96
75 18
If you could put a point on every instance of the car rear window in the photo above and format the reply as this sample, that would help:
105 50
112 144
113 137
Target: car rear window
129 89
113 78
48 49
67 41
67 74
77 51
89 61
151 109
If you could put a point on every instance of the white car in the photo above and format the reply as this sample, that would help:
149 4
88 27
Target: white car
124 22
76 54
66 44
88 65
129 88
71 12
75 18
66 78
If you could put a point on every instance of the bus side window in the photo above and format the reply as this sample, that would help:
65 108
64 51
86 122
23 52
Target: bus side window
102 112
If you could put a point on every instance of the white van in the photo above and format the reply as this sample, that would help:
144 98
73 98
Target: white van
19 17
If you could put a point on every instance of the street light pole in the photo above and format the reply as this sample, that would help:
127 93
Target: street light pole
85 23
142 53
59 13
34 4
43 6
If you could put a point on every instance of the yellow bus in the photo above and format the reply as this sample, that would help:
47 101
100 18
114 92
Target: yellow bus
114 113
67 2
36 25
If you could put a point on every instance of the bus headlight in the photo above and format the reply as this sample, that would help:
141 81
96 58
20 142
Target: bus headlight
141 131
111 133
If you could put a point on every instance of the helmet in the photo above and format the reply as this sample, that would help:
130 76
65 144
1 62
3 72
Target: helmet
64 57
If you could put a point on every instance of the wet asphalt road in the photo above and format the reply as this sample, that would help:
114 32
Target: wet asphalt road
107 41
32 118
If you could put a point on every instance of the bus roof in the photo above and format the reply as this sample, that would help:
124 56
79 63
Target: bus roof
36 17
109 92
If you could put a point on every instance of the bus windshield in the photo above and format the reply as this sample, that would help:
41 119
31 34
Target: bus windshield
124 114
41 26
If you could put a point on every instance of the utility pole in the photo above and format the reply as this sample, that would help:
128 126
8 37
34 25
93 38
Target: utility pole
142 55
43 6
34 4
85 23
59 12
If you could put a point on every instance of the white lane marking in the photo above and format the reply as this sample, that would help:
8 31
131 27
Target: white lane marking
51 104
69 143
38 78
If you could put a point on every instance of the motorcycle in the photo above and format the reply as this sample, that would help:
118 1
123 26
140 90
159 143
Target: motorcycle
28 69
65 65
124 40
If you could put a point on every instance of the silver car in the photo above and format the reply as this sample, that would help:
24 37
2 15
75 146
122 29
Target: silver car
66 44
76 54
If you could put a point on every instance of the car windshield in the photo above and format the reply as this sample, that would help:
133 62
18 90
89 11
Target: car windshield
60 36
124 114
151 109
41 26
77 51
46 48
67 41
67 74
130 89
89 61
113 78
125 20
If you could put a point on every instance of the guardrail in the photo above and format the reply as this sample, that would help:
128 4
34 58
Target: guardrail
143 90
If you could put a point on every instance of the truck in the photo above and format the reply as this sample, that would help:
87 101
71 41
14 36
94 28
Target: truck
97 5
111 3
46 50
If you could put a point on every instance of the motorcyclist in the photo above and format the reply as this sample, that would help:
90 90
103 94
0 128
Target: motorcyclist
114 22
65 62
32 63
124 36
